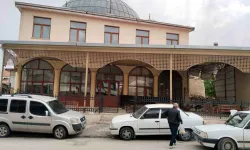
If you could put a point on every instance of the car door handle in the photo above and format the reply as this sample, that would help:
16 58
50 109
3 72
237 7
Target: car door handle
23 117
157 121
30 117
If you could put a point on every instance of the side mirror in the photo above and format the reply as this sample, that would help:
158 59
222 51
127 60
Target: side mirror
47 113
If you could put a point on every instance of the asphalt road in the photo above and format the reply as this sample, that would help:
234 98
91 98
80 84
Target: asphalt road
46 142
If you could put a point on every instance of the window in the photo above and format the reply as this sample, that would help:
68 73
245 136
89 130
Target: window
77 32
152 114
72 81
41 28
164 113
111 35
142 37
18 106
37 78
3 105
140 82
172 39
38 109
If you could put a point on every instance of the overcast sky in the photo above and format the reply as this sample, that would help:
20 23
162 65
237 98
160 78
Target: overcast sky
224 21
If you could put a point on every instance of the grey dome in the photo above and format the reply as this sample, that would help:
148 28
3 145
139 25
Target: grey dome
117 7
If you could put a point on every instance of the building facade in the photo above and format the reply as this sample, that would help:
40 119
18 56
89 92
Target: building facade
101 47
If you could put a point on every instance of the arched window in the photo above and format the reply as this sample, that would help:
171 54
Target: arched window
72 81
111 79
141 82
37 78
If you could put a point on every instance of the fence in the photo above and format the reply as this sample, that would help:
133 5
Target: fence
208 108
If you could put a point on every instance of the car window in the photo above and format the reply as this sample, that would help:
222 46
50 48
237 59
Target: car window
248 126
18 106
3 105
38 109
164 113
152 114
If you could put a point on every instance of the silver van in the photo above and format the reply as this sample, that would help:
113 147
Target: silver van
38 114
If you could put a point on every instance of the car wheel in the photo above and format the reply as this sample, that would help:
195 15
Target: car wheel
127 133
187 136
60 132
226 144
4 131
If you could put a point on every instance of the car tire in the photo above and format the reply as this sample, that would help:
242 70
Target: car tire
60 132
227 144
127 133
188 136
4 130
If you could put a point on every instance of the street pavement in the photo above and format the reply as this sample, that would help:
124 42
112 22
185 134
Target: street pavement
39 142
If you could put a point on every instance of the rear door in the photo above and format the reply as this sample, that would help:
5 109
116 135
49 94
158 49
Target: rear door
149 123
18 115
37 119
164 126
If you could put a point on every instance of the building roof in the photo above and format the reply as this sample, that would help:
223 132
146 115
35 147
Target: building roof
79 44
21 5
114 7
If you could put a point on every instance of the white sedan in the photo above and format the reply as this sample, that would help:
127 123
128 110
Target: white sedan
151 120
233 135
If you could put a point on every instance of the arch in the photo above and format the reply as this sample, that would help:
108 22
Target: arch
141 82
164 84
37 77
72 81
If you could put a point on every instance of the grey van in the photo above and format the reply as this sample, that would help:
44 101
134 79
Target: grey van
38 114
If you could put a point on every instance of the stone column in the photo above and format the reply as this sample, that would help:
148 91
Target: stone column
57 82
156 78
18 76
125 83
93 88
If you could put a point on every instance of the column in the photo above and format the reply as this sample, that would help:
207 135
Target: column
156 77
171 78
1 68
125 83
18 79
92 88
86 79
57 82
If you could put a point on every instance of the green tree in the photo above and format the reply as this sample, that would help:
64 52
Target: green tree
209 88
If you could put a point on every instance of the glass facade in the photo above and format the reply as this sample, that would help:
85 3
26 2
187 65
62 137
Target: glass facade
114 7
141 82
72 81
37 78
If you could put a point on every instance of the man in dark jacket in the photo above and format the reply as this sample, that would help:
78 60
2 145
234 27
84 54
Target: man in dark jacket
174 120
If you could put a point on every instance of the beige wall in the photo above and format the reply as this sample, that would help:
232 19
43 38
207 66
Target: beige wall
242 86
95 28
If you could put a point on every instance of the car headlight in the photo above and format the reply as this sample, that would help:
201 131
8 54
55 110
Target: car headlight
203 134
74 120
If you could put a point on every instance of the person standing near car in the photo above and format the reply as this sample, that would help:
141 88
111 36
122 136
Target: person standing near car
174 121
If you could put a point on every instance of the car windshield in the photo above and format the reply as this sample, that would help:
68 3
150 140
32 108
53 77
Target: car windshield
238 120
57 107
139 112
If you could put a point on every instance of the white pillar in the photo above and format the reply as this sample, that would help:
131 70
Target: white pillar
171 78
86 78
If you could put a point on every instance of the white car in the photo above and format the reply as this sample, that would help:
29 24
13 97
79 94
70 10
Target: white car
234 134
151 120
39 114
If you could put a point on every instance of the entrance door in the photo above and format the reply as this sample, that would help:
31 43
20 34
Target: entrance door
110 90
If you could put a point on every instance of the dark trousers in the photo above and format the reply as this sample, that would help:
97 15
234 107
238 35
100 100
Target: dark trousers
174 130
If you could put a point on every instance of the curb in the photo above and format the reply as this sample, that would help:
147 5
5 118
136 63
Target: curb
93 136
